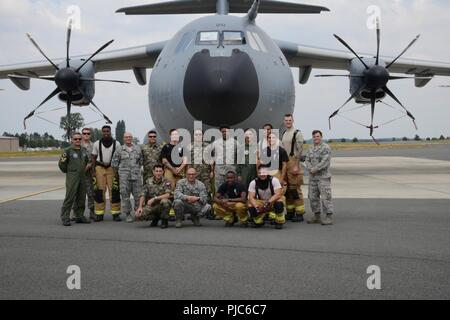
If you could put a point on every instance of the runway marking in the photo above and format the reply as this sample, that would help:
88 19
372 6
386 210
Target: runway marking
203 245
30 195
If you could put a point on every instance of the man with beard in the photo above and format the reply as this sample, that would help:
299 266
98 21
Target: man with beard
265 199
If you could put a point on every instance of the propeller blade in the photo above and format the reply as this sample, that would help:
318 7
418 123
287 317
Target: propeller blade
444 86
103 80
401 78
348 100
15 76
54 93
69 34
108 121
69 120
409 114
337 75
378 41
350 48
403 52
372 111
95 53
42 52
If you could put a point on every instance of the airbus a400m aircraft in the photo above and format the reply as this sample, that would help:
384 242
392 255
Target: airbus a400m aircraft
223 69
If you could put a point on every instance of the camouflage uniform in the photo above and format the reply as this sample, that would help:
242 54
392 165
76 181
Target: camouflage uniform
89 187
203 170
247 170
151 154
183 190
128 164
73 163
319 158
223 151
152 189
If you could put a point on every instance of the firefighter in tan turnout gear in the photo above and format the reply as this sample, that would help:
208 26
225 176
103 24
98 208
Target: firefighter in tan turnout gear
105 178
292 140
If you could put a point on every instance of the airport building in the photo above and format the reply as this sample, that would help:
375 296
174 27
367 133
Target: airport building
9 144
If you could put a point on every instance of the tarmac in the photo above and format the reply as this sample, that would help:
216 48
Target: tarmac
392 211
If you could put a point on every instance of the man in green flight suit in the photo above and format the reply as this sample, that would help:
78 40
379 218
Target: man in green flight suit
74 162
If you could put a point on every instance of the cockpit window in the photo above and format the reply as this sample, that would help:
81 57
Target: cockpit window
221 38
208 37
233 37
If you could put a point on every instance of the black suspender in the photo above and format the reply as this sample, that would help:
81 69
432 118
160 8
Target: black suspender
272 190
101 150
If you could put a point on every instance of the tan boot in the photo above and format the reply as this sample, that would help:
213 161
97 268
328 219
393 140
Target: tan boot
178 224
316 219
328 220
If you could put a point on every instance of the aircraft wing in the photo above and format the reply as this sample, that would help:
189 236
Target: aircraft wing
116 60
306 57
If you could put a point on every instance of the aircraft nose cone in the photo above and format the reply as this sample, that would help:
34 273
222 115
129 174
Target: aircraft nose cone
221 90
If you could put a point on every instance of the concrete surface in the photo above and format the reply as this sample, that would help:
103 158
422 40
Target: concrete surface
392 211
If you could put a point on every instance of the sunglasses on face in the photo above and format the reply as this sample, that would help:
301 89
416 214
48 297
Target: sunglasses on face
152 137
77 139
86 134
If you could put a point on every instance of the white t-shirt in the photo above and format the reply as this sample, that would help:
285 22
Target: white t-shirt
107 152
265 194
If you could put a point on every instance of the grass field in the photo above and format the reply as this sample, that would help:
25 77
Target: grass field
343 146
338 146
26 154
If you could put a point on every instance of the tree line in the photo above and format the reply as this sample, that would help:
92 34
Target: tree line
37 140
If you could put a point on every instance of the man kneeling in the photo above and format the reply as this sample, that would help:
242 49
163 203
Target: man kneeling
155 196
190 197
266 200
230 201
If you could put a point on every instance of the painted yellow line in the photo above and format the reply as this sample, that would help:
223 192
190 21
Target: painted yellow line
30 195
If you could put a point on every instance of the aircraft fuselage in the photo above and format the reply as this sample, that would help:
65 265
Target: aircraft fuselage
221 70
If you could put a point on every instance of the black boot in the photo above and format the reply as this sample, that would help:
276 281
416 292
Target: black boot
83 220
298 218
289 216
66 223
98 218
164 224
117 218
154 223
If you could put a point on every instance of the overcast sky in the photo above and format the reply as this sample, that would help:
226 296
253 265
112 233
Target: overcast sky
401 21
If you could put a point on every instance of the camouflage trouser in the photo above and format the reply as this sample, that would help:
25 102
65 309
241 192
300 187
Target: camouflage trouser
238 208
127 188
181 208
204 175
294 195
320 195
158 211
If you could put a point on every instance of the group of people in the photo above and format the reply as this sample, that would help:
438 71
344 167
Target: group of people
169 181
